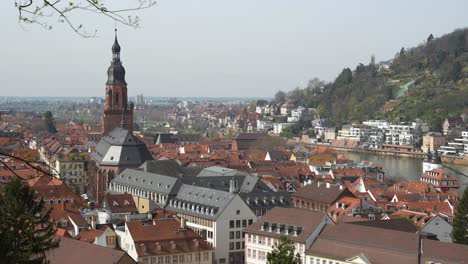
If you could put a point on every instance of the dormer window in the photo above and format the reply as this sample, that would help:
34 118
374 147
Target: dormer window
126 202
63 223
114 203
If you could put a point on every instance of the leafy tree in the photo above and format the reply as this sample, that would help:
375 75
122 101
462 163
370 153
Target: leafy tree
430 38
252 106
283 253
280 96
49 122
402 51
460 222
25 230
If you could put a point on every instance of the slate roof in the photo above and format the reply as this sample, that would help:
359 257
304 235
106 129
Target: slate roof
199 201
121 148
147 181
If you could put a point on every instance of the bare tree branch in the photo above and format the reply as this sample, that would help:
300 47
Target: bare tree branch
42 11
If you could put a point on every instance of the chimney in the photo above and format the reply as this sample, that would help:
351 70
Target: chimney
233 186
93 222
182 223
327 185
341 187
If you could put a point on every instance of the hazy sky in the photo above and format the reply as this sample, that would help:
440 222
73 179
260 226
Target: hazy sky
242 48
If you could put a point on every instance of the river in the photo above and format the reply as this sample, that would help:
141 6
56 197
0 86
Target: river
407 168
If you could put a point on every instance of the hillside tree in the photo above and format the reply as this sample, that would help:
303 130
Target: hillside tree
460 222
49 122
25 229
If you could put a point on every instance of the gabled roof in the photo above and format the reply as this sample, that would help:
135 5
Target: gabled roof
120 203
402 225
72 251
165 236
282 218
199 201
148 181
121 148
320 192
344 241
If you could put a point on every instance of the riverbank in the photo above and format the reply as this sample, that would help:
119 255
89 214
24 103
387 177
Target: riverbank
416 155
455 160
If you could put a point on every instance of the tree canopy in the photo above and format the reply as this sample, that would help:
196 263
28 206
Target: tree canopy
283 253
25 230
49 122
460 222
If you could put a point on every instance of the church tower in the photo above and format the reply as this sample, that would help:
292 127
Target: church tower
116 106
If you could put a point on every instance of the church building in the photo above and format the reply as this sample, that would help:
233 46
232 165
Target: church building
118 148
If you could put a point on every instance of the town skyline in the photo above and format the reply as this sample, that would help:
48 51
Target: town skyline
249 53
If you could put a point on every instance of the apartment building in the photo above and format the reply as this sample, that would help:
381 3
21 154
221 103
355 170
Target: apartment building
299 225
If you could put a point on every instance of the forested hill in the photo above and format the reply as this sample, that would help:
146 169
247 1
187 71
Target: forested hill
429 82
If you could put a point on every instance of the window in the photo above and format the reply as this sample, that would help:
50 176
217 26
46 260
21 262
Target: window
249 253
261 255
250 221
110 240
231 224
238 223
244 223
243 244
174 259
231 245
181 258
168 260
206 256
254 254
231 235
249 238
238 234
238 245
311 261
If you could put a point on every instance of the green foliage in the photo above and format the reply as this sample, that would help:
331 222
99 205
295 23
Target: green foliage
49 122
283 253
460 222
439 69
280 96
25 230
